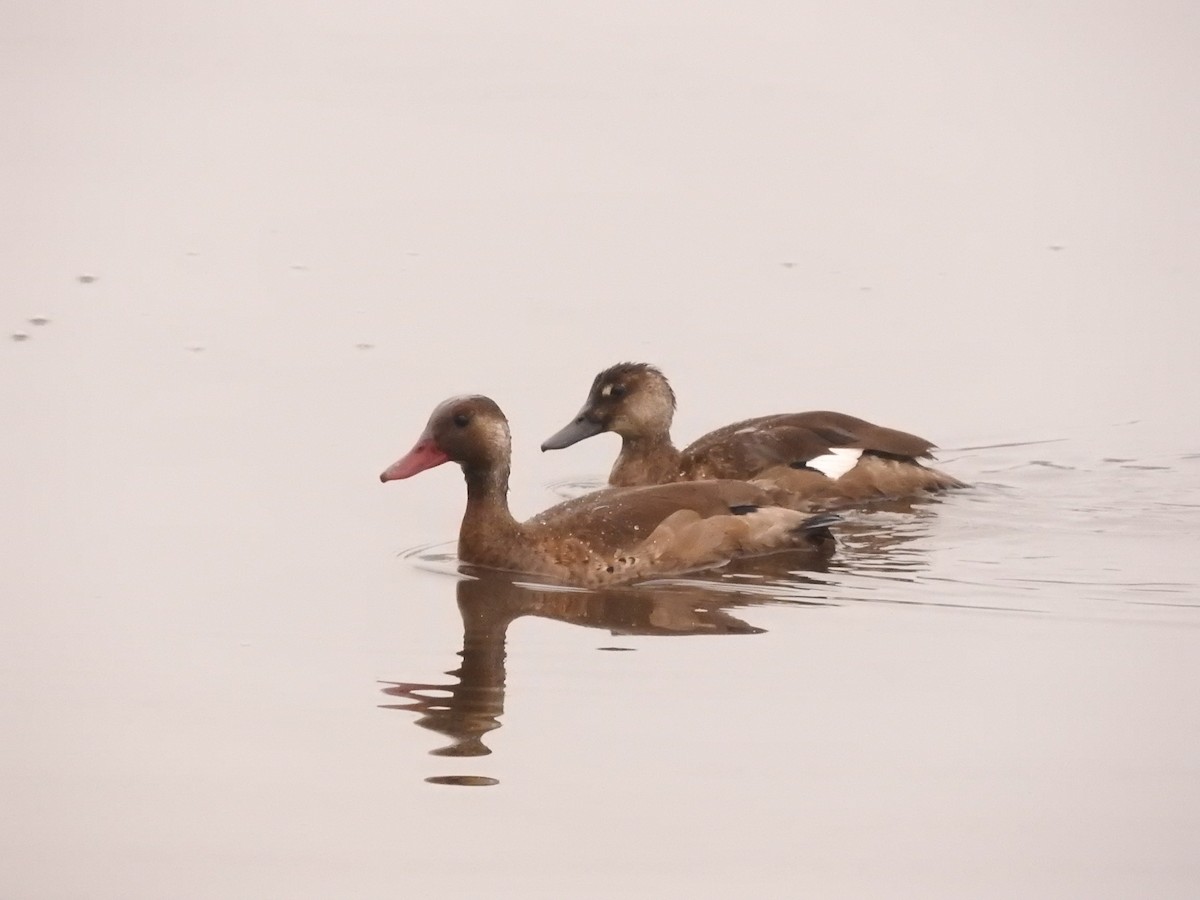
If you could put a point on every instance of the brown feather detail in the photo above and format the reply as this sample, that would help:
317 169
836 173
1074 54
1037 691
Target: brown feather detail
874 478
621 534
642 463
810 434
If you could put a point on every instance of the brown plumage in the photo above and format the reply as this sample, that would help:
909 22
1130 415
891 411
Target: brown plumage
821 455
611 536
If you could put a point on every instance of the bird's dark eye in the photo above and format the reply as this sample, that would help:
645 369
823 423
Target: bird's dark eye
618 390
461 420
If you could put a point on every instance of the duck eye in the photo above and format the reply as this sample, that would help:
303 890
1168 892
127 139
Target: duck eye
613 390
461 420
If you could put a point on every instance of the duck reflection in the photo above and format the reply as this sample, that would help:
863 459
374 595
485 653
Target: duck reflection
466 709
883 543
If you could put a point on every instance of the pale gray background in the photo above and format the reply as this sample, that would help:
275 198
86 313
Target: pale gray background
786 206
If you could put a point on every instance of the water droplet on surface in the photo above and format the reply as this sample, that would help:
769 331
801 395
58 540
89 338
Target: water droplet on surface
194 348
86 279
364 346
39 320
19 336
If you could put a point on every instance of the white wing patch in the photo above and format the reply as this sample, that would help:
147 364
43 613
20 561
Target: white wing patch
837 462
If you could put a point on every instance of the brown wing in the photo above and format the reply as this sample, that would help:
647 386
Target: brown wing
747 448
612 519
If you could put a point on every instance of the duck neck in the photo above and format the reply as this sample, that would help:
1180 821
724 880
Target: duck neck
487 519
647 459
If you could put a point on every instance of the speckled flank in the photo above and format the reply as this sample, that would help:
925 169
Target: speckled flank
684 541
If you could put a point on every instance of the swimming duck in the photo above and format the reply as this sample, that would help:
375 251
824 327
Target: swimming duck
826 456
611 536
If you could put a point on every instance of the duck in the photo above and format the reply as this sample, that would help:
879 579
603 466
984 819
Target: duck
611 536
827 457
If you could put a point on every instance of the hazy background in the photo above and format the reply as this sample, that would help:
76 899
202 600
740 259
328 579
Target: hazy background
307 223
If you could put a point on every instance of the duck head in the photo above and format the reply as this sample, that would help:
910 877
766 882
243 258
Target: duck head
470 431
633 400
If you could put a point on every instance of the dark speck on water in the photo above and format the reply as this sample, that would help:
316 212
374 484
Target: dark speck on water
365 346
1049 464
39 320
463 780
86 279
19 336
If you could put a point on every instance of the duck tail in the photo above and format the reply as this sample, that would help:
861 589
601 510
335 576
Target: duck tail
819 522
814 531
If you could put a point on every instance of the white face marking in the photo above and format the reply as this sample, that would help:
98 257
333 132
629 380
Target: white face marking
606 391
837 462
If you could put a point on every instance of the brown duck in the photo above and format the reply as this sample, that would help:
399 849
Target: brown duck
826 456
611 536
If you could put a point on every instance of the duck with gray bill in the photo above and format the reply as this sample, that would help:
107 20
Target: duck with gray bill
826 456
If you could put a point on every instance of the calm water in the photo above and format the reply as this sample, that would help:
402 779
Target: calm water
246 253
